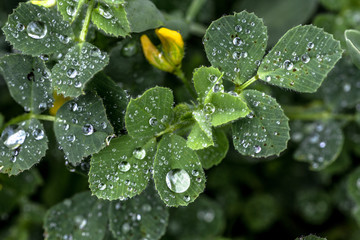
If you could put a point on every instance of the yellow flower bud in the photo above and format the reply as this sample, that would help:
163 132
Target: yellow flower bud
59 101
172 50
154 56
44 3
172 45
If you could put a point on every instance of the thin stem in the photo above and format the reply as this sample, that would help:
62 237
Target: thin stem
239 88
197 29
176 126
85 26
180 74
27 116
300 113
194 9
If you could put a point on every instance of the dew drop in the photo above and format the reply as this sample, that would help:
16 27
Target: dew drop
187 198
311 45
288 65
88 129
237 41
268 78
153 121
209 108
257 149
13 136
238 28
70 138
105 13
124 166
213 78
20 27
218 88
178 180
70 10
139 153
102 186
130 49
71 73
38 134
36 29
322 144
305 58
347 87
236 55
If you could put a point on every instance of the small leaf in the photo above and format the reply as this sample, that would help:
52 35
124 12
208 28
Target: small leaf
301 59
201 134
114 98
353 185
37 30
28 81
81 217
227 108
80 64
22 146
341 89
213 155
142 217
81 127
265 131
236 44
69 9
122 170
178 175
310 237
352 38
205 79
322 146
149 114
143 15
111 19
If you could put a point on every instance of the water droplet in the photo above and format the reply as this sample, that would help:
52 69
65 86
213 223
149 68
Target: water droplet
268 78
218 88
146 207
88 129
70 138
236 55
38 134
347 87
209 108
257 149
71 10
20 27
358 183
102 186
78 84
71 73
322 144
213 78
305 58
153 121
36 29
288 65
187 198
238 28
237 41
311 45
178 180
195 173
139 153
130 49
13 136
124 166
105 13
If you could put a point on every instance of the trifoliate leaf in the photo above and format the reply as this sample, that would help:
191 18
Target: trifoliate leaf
236 44
301 59
205 79
81 127
178 175
265 130
122 170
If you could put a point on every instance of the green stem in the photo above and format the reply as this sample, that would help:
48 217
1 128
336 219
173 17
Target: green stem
176 126
27 116
239 88
180 74
197 29
85 26
194 9
300 113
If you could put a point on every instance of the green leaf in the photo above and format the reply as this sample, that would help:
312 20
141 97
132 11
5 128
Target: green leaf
322 146
310 237
69 9
202 219
301 59
81 127
205 79
13 189
113 1
149 114
341 88
22 146
114 98
144 216
37 30
226 108
111 19
352 38
235 44
81 217
265 131
28 81
353 185
80 64
143 15
201 134
178 175
122 170
213 155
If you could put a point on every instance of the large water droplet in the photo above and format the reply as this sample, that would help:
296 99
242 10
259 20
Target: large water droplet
237 41
70 138
178 180
238 28
153 121
288 65
124 166
38 134
71 73
36 29
139 153
311 45
209 108
102 186
305 58
105 13
257 149
88 129
71 10
13 136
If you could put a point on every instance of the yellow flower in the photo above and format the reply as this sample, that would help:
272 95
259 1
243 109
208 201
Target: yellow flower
171 52
44 3
59 101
